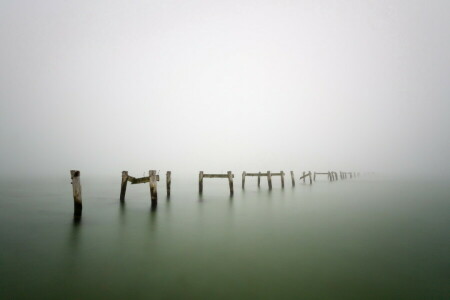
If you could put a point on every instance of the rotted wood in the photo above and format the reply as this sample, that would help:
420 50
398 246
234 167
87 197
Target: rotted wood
282 179
269 179
230 182
243 179
144 179
216 175
123 187
292 178
200 182
168 182
153 187
76 187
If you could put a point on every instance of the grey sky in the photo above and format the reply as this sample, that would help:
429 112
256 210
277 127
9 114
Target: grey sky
103 86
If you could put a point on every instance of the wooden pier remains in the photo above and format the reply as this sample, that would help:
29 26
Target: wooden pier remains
202 175
321 173
152 179
307 174
292 178
76 187
168 182
268 174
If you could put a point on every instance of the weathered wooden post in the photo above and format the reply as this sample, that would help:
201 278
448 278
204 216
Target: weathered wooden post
76 186
310 177
282 179
303 175
200 182
230 181
269 179
292 178
153 187
314 176
168 182
243 179
123 187
259 179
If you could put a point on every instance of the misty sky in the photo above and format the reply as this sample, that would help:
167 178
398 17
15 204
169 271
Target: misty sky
106 86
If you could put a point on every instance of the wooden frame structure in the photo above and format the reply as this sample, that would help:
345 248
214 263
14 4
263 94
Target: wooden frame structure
268 174
152 179
202 175
307 174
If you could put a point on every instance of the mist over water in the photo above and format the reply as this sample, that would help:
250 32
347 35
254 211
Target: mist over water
341 85
216 86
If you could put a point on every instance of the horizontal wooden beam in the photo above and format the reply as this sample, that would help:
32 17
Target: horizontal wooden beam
216 175
276 174
306 175
135 180
256 174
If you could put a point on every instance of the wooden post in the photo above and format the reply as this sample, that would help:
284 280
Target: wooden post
123 187
243 179
282 179
200 182
314 176
259 179
292 178
76 186
230 181
310 177
168 182
153 187
303 175
269 179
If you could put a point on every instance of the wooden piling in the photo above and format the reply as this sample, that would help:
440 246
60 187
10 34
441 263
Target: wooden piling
153 187
243 179
314 176
292 178
259 179
168 182
76 187
269 179
230 181
123 187
310 177
200 182
303 175
282 179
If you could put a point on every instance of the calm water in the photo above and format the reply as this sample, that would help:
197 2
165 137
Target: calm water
354 239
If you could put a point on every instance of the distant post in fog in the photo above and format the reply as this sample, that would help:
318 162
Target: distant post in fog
76 187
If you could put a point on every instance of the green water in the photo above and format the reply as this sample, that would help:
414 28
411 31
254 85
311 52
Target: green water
353 239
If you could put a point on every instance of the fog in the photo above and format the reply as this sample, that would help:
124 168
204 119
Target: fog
106 86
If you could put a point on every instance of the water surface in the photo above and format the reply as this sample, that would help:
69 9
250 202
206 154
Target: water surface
355 239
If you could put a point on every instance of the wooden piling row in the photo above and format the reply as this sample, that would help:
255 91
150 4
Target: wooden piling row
269 175
153 178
